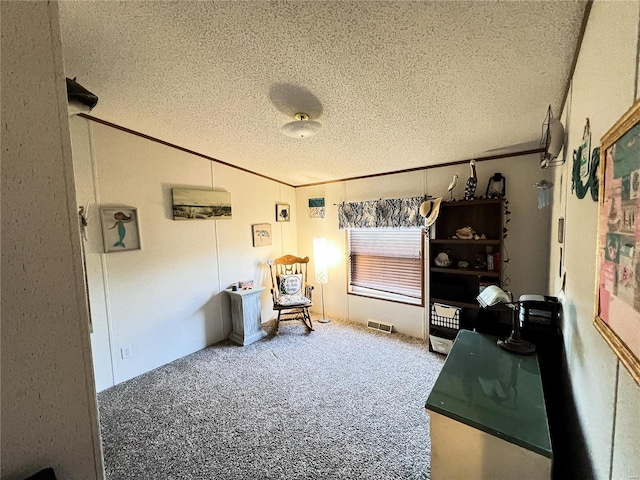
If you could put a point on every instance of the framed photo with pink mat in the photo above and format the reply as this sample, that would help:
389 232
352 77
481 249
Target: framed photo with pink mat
617 308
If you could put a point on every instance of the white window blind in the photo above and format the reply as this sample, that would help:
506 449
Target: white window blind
386 260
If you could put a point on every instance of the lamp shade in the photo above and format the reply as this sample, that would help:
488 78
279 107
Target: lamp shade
493 295
320 259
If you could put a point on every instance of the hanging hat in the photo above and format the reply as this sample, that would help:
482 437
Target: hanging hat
430 209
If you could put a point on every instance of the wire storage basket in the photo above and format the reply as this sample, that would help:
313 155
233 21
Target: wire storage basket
445 316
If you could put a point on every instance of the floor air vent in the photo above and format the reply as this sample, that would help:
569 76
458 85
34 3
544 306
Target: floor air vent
381 326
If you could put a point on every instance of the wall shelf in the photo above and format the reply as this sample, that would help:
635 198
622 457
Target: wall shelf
442 241
465 271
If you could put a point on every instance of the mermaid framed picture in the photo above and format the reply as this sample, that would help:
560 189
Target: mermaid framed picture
617 308
120 229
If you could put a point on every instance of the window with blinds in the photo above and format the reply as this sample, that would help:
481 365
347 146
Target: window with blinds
386 263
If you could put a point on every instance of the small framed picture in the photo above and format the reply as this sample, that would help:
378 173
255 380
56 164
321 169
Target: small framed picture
261 234
283 212
561 230
120 229
316 207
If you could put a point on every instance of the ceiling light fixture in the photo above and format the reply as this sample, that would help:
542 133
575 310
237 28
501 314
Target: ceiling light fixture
302 127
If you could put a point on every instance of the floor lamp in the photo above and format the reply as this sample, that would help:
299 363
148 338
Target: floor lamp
322 272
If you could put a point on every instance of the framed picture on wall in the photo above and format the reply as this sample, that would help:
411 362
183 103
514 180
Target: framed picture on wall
120 229
283 212
261 233
316 207
561 230
617 309
193 204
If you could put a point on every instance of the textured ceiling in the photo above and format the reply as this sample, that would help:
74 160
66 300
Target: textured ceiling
395 84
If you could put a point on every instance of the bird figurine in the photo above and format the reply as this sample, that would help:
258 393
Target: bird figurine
452 185
472 182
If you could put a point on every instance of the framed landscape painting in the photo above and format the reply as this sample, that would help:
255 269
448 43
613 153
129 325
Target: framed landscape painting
617 309
192 204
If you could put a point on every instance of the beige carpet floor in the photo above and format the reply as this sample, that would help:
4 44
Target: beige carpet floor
343 402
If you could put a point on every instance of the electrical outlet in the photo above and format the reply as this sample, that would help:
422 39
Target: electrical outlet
125 352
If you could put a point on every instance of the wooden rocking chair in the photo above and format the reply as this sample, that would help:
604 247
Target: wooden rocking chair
289 289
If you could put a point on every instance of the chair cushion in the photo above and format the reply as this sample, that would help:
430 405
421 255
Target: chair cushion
290 284
290 300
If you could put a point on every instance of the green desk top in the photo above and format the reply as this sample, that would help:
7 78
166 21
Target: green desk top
492 390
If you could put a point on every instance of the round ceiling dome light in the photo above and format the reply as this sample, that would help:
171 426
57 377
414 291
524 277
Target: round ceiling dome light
302 127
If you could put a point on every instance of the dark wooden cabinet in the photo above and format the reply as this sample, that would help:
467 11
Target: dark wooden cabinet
458 286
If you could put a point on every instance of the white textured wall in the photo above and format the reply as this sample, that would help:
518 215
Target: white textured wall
86 194
253 202
49 413
526 242
607 399
166 300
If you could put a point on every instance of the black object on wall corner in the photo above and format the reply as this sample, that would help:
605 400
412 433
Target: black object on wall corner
76 92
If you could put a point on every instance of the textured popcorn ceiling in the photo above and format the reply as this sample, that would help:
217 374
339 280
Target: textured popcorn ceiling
395 84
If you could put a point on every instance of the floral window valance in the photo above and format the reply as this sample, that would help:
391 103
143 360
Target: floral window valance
384 213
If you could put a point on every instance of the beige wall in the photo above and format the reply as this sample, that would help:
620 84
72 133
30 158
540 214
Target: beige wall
49 416
607 399
166 300
526 242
